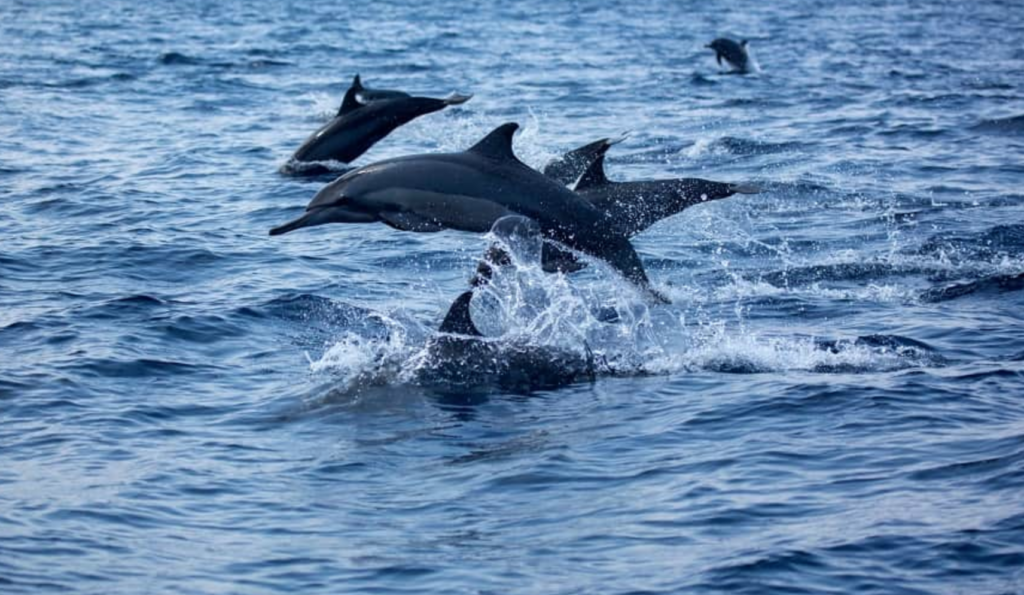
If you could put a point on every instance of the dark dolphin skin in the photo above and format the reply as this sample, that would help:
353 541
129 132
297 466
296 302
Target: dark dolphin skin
569 167
635 206
735 54
357 127
469 191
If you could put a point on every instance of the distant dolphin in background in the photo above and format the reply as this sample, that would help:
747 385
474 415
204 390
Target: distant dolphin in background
357 127
469 191
734 54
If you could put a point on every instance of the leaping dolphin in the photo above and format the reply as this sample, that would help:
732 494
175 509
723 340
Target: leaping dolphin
469 191
357 127
734 54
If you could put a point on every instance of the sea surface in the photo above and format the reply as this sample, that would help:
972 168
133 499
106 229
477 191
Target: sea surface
833 402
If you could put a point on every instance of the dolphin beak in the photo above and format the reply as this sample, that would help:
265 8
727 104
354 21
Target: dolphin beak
325 214
303 221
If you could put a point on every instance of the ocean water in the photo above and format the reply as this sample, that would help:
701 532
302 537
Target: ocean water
833 403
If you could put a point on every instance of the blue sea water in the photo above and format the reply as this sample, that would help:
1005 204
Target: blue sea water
834 402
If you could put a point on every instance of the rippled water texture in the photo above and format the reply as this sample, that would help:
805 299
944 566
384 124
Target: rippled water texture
832 404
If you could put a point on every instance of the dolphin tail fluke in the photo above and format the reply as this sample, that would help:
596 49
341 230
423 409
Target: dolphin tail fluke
745 188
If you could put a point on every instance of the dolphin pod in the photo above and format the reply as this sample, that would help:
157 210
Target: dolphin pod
469 191
365 117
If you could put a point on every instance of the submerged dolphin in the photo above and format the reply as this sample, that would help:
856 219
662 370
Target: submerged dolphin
635 206
734 54
462 355
469 191
512 231
357 127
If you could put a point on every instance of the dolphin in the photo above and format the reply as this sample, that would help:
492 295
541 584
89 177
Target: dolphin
469 191
635 206
734 54
357 127
569 167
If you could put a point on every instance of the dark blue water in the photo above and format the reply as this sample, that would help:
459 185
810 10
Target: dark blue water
834 403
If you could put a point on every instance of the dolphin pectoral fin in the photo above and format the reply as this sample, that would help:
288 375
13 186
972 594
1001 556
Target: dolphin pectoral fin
406 221
718 58
320 216
456 99
744 188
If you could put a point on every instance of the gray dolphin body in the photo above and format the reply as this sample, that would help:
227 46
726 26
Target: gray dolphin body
357 127
635 206
734 54
469 191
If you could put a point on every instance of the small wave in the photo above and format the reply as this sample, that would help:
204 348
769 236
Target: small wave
847 271
736 352
1013 125
315 168
138 368
178 59
994 285
737 146
990 244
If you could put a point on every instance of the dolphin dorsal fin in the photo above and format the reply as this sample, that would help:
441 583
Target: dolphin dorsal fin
350 102
458 320
594 176
498 143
